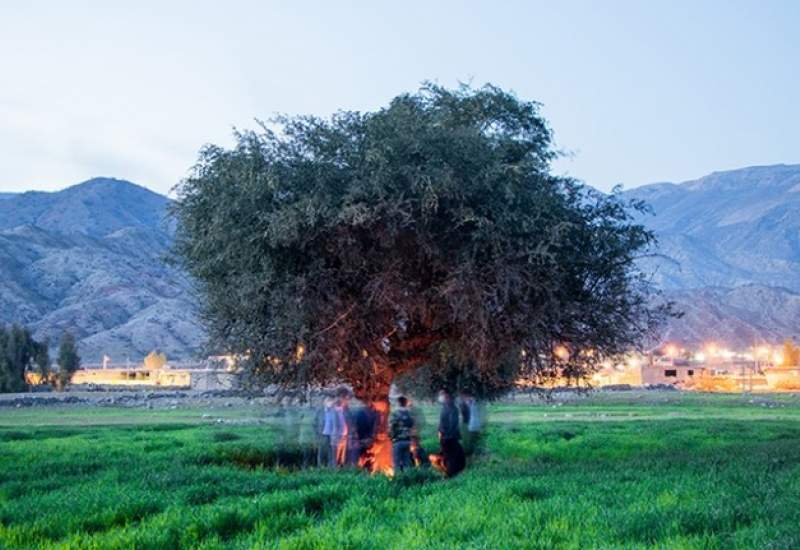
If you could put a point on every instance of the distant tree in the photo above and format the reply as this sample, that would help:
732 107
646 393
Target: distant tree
357 248
68 360
155 360
41 361
791 354
18 350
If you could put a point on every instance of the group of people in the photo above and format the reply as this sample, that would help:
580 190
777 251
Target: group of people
347 437
344 435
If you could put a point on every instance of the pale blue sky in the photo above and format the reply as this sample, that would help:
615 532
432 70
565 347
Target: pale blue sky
637 91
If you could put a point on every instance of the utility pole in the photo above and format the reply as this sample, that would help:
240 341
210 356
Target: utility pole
744 380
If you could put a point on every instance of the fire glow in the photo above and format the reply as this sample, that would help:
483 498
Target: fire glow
378 457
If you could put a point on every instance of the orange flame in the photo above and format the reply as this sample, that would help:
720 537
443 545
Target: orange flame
378 458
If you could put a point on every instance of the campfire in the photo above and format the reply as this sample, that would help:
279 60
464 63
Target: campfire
378 458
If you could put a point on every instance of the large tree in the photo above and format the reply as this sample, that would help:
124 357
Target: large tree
358 247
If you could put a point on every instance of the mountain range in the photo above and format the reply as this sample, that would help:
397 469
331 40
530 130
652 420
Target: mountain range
90 259
728 253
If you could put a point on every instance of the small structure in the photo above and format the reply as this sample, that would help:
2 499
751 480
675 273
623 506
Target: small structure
671 370
213 379
783 378
132 377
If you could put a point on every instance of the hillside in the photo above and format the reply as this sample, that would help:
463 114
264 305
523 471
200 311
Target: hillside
730 246
741 316
728 228
89 259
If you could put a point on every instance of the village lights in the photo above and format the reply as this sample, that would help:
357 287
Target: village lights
633 363
711 350
561 352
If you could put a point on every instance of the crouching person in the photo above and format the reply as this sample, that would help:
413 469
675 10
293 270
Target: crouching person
401 432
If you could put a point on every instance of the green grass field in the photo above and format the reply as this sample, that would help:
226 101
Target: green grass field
630 470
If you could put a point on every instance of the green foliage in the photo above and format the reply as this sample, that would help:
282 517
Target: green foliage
371 239
19 352
682 472
41 361
68 359
446 372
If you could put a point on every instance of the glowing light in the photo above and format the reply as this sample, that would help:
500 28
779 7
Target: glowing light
300 352
561 352
633 363
700 357
671 350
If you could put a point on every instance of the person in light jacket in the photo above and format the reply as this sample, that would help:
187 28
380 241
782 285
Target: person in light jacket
324 427
336 430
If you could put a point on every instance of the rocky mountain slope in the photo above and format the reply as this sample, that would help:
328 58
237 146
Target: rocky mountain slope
739 317
89 259
730 253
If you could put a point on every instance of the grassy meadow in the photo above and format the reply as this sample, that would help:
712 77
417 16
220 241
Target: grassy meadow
627 470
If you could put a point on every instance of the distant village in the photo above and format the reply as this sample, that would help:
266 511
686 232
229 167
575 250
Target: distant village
213 373
712 368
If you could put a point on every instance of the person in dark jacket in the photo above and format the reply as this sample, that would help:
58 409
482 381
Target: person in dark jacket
401 432
452 454
367 419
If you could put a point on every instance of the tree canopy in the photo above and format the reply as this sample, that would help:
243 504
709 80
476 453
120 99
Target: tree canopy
20 352
68 359
357 247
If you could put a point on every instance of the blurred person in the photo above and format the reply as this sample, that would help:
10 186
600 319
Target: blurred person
401 432
464 408
336 430
473 426
348 449
353 442
366 424
418 454
323 422
452 454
